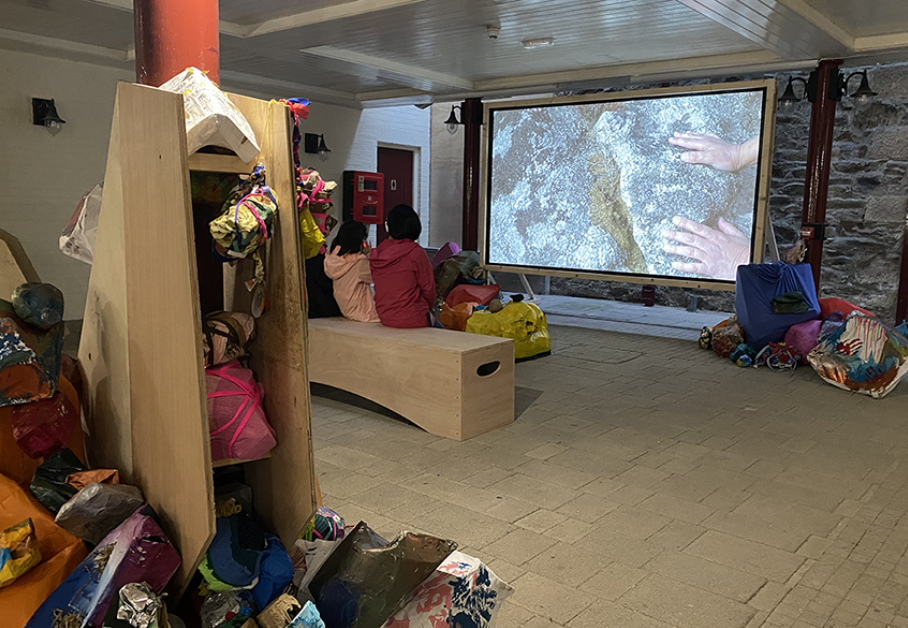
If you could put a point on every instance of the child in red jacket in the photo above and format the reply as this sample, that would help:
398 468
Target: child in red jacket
401 273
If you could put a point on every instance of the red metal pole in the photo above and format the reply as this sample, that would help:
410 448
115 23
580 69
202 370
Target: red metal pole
819 156
471 112
172 35
901 307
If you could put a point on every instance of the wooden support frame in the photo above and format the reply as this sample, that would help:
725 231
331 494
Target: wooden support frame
141 345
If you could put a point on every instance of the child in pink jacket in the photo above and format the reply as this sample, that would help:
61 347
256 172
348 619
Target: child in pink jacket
347 264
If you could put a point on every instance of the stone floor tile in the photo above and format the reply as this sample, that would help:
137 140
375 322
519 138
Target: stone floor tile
509 509
603 487
465 527
546 451
543 494
549 598
566 563
385 497
613 581
707 575
558 474
511 615
507 571
755 558
676 536
588 508
542 622
680 509
769 509
641 477
486 477
814 547
630 522
768 532
541 521
684 606
627 495
574 530
769 596
519 546
607 615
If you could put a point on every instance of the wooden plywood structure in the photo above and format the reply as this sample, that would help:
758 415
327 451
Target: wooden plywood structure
431 377
141 345
15 267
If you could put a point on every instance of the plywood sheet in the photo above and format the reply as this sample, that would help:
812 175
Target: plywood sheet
15 267
283 485
143 304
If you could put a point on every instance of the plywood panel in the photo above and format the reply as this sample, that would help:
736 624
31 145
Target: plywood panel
142 341
103 351
15 267
283 484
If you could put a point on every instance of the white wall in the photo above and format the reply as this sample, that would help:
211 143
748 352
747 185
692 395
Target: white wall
446 185
43 176
354 137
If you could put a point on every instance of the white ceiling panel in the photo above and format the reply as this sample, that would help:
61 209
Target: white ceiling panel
72 20
865 18
360 50
248 12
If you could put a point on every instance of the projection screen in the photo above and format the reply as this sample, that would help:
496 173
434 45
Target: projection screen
664 186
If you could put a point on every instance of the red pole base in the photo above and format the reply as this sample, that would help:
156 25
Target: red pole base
172 35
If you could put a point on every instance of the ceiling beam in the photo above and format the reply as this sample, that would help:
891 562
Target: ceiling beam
64 45
409 75
289 89
337 11
634 72
225 28
881 43
790 29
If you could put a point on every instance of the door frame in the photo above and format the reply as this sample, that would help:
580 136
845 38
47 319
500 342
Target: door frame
416 184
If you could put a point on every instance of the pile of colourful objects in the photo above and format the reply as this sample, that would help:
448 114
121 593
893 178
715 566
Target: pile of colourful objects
468 302
780 323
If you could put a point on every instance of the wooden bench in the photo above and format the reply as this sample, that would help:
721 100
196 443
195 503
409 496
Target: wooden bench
449 383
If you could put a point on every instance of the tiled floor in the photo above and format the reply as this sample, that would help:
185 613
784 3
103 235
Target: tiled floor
647 483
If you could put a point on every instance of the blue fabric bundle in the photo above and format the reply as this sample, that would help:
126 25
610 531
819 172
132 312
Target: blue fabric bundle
757 285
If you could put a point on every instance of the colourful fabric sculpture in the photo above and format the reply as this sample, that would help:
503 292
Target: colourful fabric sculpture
778 356
19 551
525 323
29 359
461 592
864 355
726 337
245 223
325 525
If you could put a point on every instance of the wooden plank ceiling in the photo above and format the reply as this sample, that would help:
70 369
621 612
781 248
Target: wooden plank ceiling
392 51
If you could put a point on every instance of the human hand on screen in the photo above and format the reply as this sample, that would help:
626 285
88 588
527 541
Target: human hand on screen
709 150
718 253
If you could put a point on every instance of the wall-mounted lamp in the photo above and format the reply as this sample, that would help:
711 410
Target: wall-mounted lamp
44 113
837 88
315 144
452 122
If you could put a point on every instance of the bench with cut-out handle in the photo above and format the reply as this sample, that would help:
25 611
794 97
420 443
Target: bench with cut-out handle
449 383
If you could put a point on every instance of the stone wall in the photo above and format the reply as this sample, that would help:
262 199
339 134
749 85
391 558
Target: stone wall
868 200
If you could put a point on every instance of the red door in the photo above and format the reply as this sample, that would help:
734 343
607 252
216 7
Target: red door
397 166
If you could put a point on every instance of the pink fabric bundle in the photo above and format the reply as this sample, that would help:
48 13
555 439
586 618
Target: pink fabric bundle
804 337
236 418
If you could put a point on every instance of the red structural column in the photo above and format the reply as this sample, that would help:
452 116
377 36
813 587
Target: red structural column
819 156
471 112
901 306
172 35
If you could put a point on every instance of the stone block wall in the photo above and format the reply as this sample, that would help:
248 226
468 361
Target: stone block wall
867 203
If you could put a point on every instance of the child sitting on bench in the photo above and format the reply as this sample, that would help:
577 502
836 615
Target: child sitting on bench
404 282
347 264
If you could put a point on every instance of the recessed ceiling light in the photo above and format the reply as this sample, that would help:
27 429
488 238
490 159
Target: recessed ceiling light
541 42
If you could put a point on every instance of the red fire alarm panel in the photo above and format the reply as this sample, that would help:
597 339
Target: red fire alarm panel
364 194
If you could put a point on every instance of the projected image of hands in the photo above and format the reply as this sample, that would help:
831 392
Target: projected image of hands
660 186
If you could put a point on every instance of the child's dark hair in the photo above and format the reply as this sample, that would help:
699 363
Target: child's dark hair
350 237
403 223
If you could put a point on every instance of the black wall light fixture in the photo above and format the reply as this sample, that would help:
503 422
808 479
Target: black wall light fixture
452 122
837 88
315 143
44 113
